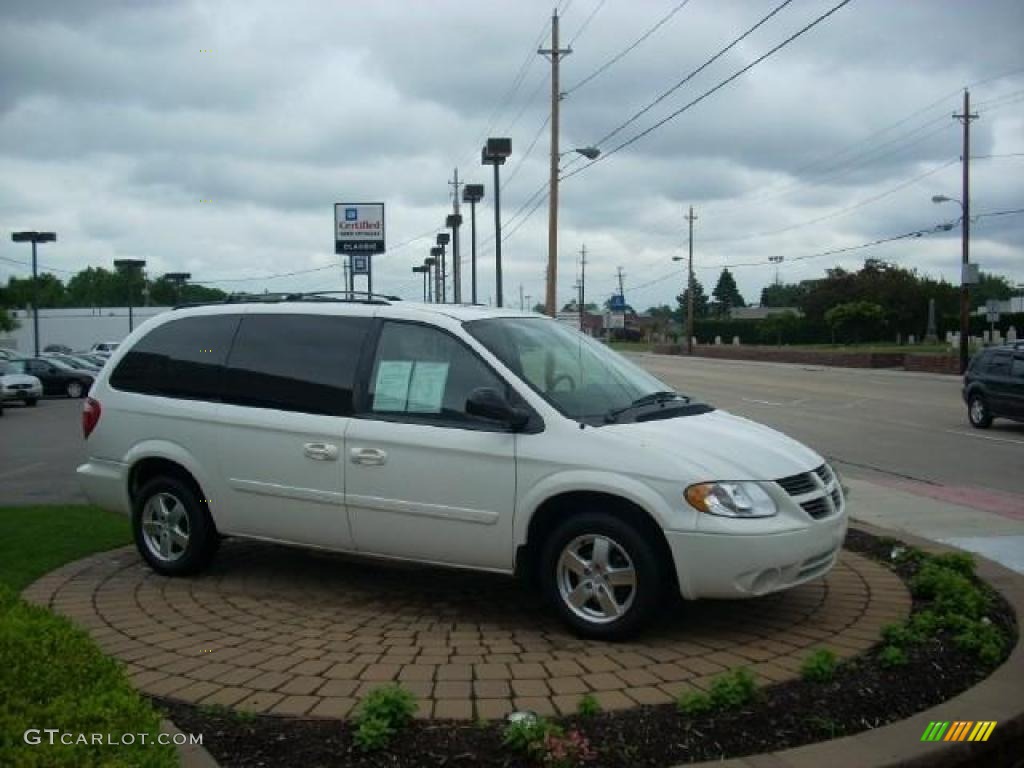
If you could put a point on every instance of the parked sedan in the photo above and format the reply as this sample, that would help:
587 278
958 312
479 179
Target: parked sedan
58 378
74 361
18 386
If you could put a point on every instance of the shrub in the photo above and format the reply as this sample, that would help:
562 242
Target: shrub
892 656
694 703
733 689
820 666
961 562
588 706
383 713
528 734
566 751
982 639
951 591
53 676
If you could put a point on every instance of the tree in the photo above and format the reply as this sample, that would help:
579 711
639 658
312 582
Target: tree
990 287
780 326
856 321
700 301
539 308
727 295
7 321
782 294
96 287
21 292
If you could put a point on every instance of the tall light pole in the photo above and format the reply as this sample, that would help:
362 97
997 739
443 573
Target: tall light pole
443 238
125 267
178 279
453 222
436 253
431 279
34 238
422 270
965 279
473 194
495 152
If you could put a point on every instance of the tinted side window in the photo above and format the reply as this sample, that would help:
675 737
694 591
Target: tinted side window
998 364
304 363
183 358
1017 371
424 374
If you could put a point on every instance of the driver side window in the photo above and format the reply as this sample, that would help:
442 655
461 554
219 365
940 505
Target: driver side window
421 374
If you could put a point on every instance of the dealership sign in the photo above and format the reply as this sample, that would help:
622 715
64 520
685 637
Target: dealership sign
359 228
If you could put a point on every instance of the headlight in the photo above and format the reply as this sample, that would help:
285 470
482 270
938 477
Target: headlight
731 499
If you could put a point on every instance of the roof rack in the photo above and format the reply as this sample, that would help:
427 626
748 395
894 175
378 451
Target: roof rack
356 297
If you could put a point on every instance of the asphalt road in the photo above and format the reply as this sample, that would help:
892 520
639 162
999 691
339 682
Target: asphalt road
904 429
875 424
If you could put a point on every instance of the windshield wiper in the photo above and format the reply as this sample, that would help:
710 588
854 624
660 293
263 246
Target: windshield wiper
652 398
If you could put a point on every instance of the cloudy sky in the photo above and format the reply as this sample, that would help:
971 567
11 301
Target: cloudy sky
215 137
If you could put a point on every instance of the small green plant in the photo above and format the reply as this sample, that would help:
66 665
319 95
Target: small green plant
892 656
961 562
383 713
527 734
982 639
588 705
733 689
694 703
558 751
372 733
820 666
825 725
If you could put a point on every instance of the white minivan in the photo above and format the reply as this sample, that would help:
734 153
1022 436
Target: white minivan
455 435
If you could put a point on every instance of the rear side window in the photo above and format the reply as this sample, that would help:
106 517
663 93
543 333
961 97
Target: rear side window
183 358
304 363
998 364
1017 371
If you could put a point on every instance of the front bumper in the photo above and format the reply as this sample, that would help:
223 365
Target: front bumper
28 393
728 565
105 483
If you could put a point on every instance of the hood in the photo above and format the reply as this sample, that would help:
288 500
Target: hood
10 379
718 446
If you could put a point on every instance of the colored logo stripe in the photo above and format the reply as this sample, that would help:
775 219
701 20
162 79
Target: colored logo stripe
959 730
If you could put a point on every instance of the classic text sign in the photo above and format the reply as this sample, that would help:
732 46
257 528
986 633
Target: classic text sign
359 227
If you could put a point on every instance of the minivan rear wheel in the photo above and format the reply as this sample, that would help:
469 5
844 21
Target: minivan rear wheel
601 575
173 530
978 412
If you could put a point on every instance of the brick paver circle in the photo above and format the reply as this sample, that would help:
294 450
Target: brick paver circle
292 632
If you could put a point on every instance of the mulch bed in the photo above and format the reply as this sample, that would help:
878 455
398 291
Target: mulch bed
863 695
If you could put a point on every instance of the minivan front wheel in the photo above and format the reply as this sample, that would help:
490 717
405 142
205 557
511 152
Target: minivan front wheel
601 574
978 412
172 529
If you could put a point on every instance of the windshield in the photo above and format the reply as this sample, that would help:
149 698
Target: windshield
579 376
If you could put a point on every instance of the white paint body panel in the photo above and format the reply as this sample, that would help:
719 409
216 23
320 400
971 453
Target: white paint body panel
456 496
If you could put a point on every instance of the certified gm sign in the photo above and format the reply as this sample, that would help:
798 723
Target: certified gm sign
359 228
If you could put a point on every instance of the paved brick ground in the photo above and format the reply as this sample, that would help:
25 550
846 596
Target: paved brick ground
271 629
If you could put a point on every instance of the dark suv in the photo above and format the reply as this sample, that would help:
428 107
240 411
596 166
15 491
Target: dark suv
994 385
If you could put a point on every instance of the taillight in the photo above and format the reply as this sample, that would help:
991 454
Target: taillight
91 411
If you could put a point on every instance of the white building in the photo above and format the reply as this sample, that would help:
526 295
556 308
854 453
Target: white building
76 328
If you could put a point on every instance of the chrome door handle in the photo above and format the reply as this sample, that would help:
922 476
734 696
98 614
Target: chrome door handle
369 456
321 451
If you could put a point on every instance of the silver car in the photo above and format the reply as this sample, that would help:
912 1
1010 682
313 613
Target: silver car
18 386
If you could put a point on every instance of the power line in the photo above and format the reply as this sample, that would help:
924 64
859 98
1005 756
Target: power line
624 52
839 212
719 86
586 23
529 150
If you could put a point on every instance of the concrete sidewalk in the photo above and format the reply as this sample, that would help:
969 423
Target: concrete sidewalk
997 535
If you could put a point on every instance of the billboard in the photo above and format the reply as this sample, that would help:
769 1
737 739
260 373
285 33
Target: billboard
359 228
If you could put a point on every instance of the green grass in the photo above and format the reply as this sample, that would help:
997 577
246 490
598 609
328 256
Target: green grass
51 673
35 540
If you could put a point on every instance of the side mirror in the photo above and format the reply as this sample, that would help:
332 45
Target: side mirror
488 403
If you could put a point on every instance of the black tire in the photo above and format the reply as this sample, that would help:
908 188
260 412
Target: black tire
31 402
633 546
194 521
978 412
75 389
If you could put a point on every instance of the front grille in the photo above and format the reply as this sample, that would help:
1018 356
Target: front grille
837 498
798 485
20 386
824 473
817 508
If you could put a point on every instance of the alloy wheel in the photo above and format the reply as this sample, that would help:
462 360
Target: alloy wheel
596 578
165 527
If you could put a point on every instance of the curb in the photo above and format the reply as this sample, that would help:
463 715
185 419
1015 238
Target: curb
189 755
998 697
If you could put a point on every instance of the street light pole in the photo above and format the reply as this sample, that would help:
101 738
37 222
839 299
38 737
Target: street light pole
443 238
473 194
123 266
495 152
179 279
965 224
34 238
690 218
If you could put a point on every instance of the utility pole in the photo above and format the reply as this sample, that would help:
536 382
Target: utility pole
455 221
620 275
965 231
690 218
554 55
522 306
583 283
